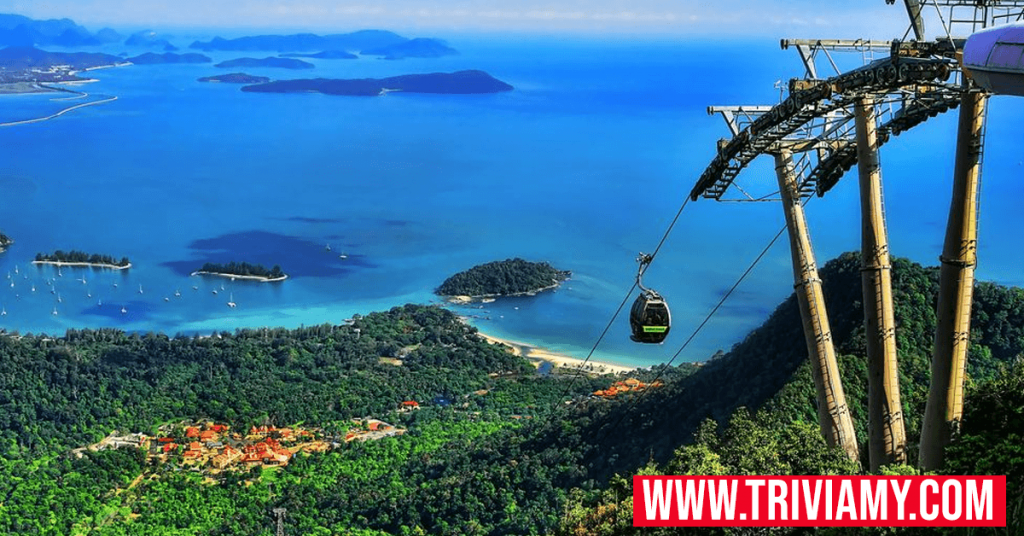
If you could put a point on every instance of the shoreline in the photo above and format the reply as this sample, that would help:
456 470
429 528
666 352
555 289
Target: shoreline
538 355
86 264
259 278
462 298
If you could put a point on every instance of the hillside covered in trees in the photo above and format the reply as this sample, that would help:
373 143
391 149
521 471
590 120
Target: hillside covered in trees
503 278
242 269
81 257
495 448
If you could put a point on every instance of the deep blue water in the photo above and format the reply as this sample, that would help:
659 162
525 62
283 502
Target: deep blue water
583 165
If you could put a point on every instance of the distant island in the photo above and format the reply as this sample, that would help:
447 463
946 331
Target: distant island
280 63
25 68
413 48
18 30
80 258
235 78
364 39
149 38
325 55
510 277
458 83
5 241
151 58
243 270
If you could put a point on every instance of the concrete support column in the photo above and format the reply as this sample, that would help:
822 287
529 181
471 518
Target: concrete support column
886 433
833 414
956 288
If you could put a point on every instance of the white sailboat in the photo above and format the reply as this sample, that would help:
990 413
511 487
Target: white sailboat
177 293
231 301
140 288
3 311
54 313
123 310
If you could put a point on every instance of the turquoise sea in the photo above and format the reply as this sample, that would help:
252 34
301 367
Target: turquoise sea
583 165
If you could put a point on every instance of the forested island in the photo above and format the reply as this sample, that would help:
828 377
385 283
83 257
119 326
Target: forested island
152 58
81 258
336 46
5 241
510 277
272 61
494 449
457 83
235 78
413 48
243 270
324 55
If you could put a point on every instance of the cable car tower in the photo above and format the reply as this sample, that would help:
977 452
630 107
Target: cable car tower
828 123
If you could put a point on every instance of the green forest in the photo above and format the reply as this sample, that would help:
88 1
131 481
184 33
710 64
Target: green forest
81 256
243 269
496 448
502 278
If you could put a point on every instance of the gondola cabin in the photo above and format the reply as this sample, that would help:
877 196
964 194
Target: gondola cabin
650 318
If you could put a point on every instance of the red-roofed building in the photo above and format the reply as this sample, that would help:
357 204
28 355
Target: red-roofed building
374 426
254 431
218 428
206 435
166 440
190 454
170 446
191 431
410 404
195 445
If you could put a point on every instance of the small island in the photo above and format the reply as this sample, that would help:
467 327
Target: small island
235 78
510 277
325 55
80 258
457 83
243 270
279 63
4 242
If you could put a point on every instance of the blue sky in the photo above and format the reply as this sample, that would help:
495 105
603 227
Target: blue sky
756 18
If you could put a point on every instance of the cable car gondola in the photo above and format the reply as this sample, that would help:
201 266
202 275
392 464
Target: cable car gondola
650 318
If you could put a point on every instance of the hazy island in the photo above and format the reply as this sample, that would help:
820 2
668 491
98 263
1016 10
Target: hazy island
278 63
152 58
80 258
243 270
149 38
325 55
235 78
5 241
414 48
457 83
510 277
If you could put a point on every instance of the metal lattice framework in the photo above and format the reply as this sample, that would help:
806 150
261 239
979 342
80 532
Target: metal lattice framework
819 131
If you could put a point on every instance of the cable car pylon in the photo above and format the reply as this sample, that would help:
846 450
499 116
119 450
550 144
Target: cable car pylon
833 413
887 442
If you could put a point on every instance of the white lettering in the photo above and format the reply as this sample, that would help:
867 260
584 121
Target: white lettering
777 497
952 515
658 501
926 514
812 503
828 500
871 503
976 502
726 497
901 497
692 501
847 504
755 488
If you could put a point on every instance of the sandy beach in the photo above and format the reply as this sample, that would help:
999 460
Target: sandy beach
538 355
259 278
